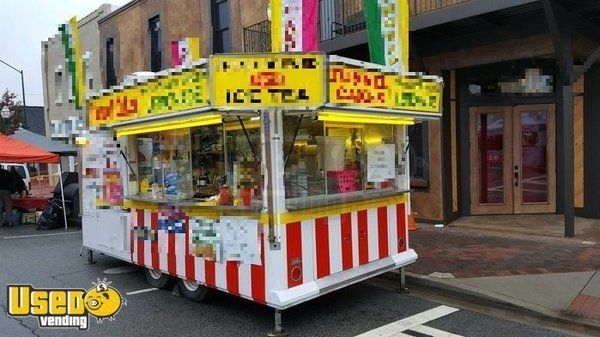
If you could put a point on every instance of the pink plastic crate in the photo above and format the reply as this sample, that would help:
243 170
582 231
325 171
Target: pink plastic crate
346 179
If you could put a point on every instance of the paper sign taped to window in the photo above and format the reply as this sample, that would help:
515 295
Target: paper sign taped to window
380 162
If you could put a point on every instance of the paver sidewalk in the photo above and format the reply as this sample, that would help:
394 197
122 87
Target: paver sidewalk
551 275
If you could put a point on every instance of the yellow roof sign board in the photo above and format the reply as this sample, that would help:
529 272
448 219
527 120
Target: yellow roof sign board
183 90
289 81
296 81
349 85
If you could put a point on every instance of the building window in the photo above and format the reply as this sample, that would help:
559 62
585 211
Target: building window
221 21
70 93
111 77
58 84
87 59
155 44
418 153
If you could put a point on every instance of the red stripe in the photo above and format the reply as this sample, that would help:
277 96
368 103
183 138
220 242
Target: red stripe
401 227
322 241
140 241
363 238
258 275
233 285
294 253
154 244
171 262
210 274
382 231
346 220
190 261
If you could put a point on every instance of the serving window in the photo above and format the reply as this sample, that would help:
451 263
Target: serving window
219 163
339 158
303 173
244 158
164 165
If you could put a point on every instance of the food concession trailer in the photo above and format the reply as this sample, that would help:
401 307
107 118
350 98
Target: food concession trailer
272 177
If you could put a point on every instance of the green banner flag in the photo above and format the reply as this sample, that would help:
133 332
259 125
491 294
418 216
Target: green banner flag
374 33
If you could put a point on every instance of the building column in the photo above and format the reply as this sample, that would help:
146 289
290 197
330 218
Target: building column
560 28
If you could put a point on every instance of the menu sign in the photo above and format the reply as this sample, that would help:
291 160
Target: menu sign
380 162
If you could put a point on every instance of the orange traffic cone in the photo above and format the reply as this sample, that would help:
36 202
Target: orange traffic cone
412 225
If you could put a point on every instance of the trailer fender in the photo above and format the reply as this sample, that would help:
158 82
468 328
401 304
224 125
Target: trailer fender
283 299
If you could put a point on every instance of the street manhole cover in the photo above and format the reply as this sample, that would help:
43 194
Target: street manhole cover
120 270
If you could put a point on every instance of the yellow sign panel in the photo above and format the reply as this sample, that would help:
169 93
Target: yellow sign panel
362 87
184 90
270 80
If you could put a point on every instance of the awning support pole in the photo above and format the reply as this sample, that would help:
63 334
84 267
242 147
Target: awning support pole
62 193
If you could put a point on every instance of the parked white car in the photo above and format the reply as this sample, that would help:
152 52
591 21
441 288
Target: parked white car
23 170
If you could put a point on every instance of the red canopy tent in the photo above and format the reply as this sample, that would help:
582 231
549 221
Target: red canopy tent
16 151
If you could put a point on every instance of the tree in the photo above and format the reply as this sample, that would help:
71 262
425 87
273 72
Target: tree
10 125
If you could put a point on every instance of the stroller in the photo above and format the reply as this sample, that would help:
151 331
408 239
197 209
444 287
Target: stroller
52 216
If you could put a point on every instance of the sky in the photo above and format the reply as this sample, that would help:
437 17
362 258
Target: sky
24 24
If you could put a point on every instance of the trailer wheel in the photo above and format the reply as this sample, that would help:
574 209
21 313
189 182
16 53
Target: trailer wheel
192 290
157 279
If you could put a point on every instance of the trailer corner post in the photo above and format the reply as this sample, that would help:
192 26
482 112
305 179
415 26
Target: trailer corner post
279 331
402 278
89 255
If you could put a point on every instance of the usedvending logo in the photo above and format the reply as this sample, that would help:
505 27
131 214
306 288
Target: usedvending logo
65 308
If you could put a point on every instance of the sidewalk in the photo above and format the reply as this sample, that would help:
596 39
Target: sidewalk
544 273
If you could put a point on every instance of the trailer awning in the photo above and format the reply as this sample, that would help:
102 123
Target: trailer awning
363 117
187 121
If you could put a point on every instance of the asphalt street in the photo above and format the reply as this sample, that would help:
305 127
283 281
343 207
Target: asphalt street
53 261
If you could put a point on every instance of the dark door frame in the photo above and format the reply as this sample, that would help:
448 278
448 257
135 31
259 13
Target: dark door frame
465 102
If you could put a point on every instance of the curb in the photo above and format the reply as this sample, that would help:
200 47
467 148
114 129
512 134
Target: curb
487 298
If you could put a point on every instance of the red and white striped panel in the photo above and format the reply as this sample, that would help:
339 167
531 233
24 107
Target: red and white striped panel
169 253
324 246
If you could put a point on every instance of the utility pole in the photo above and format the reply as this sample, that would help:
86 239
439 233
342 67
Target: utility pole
20 71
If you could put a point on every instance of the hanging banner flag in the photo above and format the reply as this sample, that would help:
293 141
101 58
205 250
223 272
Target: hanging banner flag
184 52
387 31
294 25
73 58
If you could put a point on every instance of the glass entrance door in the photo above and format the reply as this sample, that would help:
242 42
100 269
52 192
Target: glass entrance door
491 160
512 159
534 160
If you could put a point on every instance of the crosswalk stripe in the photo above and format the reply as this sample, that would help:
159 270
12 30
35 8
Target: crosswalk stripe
396 328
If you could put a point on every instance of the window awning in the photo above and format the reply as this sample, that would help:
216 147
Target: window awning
235 125
363 117
173 123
